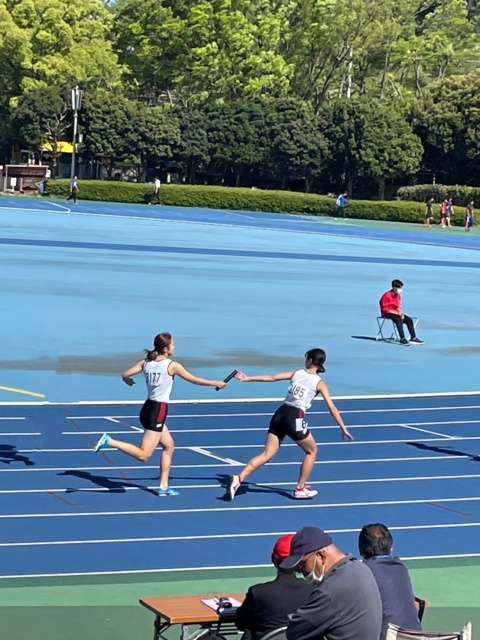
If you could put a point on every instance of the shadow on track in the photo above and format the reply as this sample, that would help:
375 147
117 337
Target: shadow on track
447 450
9 454
105 482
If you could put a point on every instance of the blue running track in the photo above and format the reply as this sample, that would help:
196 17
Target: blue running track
415 464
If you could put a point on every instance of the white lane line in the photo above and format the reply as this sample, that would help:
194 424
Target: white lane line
217 486
311 427
229 508
202 466
64 433
267 534
13 418
248 414
210 568
433 433
223 401
258 446
209 454
23 433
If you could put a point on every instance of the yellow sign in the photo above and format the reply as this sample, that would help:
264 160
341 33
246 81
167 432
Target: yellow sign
62 147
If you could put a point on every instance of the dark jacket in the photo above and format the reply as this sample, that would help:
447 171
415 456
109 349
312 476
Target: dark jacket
398 600
267 605
346 605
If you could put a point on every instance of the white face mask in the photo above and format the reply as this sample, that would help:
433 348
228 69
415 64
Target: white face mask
398 289
313 577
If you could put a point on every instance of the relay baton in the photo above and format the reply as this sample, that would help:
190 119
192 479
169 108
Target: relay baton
228 378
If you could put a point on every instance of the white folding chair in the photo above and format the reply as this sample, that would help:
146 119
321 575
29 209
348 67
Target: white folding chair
396 633
394 337
276 634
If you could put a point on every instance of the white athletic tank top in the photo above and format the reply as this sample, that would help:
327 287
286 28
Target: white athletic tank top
302 389
159 381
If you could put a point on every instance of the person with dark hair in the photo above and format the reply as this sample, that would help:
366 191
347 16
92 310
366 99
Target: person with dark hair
159 370
267 605
429 212
73 190
288 420
345 604
375 544
470 216
391 308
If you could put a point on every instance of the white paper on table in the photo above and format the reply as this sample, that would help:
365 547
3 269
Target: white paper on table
213 603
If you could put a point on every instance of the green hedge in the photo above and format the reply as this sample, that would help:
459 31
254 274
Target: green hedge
423 192
241 199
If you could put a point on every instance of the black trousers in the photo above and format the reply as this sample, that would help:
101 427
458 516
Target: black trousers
73 195
399 322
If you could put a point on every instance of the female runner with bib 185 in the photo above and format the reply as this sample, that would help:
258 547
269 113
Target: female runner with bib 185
159 370
288 420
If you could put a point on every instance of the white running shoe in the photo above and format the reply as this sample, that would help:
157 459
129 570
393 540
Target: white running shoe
233 485
304 494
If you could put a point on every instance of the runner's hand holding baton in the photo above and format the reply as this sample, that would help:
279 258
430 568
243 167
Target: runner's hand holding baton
228 378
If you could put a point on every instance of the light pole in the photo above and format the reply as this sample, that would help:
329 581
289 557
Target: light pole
77 94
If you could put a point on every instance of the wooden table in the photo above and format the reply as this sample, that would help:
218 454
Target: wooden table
189 610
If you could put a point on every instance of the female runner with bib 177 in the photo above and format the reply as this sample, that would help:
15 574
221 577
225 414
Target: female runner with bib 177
288 420
159 370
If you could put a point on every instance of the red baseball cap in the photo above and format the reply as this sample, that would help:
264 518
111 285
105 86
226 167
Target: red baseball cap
282 547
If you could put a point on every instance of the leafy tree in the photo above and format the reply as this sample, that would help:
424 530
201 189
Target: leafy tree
387 148
108 122
42 116
297 146
205 50
193 148
448 122
49 42
121 129
237 134
370 140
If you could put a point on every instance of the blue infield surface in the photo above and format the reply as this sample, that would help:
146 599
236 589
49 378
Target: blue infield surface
65 510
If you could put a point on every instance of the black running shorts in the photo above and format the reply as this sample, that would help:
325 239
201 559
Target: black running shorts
289 421
153 415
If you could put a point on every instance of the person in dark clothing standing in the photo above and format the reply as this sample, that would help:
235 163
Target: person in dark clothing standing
345 604
267 605
73 190
375 545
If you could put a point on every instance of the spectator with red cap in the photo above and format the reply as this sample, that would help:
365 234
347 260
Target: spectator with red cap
267 605
345 605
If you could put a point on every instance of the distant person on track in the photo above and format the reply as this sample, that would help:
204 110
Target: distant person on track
444 212
73 190
341 203
159 370
391 308
429 213
157 185
288 420
470 216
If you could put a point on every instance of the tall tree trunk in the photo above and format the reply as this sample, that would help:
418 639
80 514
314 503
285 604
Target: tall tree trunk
308 183
350 185
381 187
238 175
386 66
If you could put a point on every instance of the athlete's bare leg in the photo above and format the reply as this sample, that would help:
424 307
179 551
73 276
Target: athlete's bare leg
272 445
309 446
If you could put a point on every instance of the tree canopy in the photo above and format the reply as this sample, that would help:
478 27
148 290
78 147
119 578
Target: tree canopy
311 94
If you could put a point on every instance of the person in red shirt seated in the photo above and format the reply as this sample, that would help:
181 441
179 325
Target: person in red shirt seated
391 308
